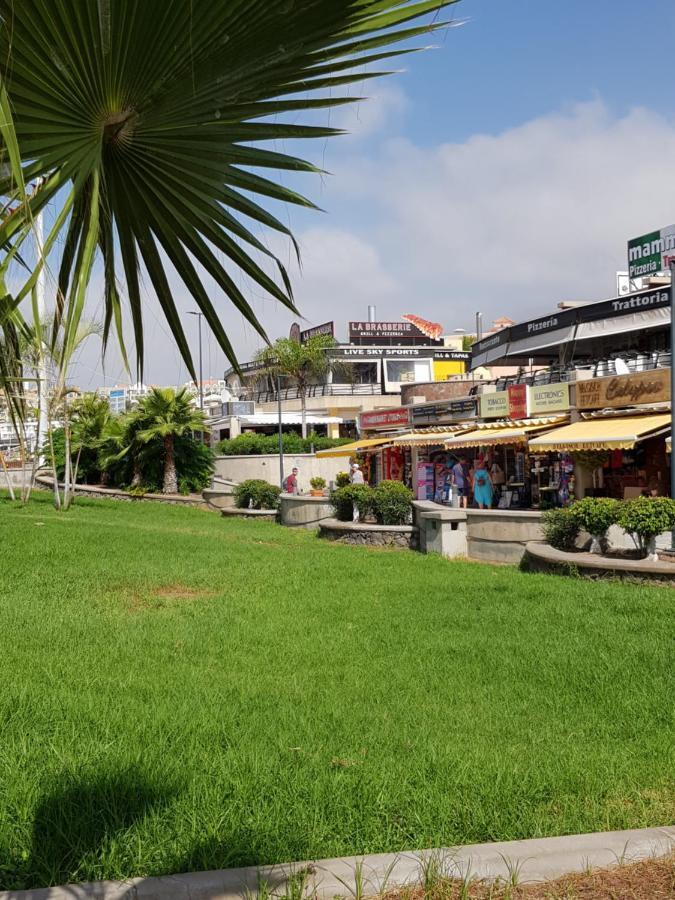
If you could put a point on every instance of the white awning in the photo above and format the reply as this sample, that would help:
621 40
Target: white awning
529 345
266 419
637 321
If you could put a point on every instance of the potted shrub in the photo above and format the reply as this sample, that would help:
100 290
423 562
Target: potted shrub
561 529
342 479
595 515
644 518
392 503
318 486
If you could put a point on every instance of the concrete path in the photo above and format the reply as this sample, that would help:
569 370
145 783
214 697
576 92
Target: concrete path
531 860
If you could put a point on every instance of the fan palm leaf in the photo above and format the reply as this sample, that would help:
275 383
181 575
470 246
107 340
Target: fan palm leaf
144 120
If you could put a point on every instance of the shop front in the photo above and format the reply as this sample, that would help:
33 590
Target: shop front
616 454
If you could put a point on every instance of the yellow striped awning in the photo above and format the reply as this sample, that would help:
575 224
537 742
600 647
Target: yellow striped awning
612 433
490 437
354 447
429 436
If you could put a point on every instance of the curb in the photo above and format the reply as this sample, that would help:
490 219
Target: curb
539 859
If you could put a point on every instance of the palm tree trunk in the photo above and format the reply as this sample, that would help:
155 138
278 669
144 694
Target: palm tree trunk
57 496
170 477
136 469
9 481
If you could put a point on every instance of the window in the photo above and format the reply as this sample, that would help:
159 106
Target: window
402 371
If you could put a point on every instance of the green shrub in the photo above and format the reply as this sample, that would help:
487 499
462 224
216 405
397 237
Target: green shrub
342 479
194 464
646 517
561 529
595 515
252 444
256 494
392 503
317 483
344 499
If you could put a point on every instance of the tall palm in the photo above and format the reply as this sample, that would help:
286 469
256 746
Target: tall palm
169 414
144 120
300 363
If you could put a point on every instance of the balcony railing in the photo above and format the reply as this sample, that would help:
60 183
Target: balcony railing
314 390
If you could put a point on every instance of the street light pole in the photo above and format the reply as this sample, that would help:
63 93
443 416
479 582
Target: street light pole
201 374
672 382
281 437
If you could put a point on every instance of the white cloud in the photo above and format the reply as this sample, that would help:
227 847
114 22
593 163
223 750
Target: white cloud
512 223
508 223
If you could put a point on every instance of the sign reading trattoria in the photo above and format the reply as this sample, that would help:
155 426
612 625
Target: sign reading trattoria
385 418
651 252
624 390
495 405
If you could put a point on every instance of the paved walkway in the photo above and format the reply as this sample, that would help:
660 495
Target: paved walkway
534 860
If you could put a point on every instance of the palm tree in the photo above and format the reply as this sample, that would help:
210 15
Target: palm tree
169 414
140 124
301 363
90 415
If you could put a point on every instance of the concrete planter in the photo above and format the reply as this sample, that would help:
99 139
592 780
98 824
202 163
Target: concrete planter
541 557
400 537
304 511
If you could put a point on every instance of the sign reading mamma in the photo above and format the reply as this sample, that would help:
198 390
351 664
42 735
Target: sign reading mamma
651 252
624 390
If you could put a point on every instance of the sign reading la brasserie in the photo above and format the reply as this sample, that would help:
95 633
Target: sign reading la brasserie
624 390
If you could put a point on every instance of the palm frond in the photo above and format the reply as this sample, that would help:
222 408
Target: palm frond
158 115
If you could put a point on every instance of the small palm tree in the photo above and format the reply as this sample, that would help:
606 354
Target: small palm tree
89 417
301 363
169 414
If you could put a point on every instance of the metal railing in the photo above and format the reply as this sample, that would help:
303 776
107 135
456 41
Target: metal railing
314 390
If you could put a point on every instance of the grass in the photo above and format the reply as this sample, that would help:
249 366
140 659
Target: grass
181 691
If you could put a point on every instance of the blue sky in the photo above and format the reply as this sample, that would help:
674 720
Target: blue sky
503 171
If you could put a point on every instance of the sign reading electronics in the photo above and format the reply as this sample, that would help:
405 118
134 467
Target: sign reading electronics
651 252
624 390
385 418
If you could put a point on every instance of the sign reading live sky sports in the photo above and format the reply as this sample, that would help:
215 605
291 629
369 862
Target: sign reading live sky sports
651 253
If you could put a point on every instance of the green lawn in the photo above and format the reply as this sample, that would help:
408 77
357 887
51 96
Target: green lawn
184 692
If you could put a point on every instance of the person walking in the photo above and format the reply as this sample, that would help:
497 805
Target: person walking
460 480
482 485
357 474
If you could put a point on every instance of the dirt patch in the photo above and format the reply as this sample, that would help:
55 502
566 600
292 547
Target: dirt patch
165 595
652 879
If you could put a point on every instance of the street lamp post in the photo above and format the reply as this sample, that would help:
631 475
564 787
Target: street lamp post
201 376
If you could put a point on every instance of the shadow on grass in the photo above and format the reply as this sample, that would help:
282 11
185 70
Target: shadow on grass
76 824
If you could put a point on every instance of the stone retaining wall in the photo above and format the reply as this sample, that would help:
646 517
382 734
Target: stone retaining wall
101 493
400 537
304 511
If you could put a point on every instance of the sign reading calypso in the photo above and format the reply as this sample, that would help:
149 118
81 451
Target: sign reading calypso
624 390
651 252
384 418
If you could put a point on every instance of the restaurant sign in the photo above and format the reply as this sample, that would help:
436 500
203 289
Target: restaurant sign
624 390
328 329
386 332
494 406
385 418
651 252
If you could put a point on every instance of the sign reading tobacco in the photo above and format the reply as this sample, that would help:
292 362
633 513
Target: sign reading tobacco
624 390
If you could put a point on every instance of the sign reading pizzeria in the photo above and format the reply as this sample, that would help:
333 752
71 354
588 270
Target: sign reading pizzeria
385 418
413 330
624 390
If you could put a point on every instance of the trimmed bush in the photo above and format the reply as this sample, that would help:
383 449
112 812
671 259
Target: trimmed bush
344 500
317 483
342 479
252 444
595 515
646 517
561 529
392 503
256 494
